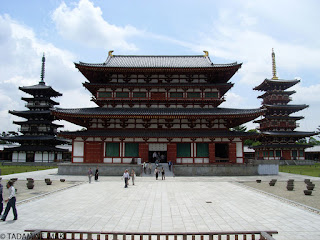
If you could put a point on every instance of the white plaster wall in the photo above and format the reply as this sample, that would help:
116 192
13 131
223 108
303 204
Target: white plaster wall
107 160
116 160
239 149
22 157
14 157
239 160
157 147
78 149
77 159
187 160
59 156
127 160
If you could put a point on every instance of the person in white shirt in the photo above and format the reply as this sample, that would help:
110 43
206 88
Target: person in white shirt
11 202
126 178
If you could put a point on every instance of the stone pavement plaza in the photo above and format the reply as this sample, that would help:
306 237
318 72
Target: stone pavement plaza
176 204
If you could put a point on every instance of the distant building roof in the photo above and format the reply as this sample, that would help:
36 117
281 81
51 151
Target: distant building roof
313 149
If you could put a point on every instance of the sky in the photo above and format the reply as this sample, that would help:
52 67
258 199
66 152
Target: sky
232 31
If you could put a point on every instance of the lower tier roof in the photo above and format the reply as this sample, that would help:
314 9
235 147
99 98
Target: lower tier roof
234 116
287 134
280 146
37 148
157 133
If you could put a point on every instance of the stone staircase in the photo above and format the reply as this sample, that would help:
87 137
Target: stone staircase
153 166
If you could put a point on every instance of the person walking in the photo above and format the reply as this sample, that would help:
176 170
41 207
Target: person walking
96 174
170 163
89 174
144 167
133 176
156 172
11 202
163 174
1 197
126 178
150 168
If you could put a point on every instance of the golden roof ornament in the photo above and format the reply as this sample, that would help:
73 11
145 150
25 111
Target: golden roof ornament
206 53
274 67
110 53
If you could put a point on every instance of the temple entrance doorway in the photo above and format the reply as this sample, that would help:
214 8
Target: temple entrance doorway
157 151
222 152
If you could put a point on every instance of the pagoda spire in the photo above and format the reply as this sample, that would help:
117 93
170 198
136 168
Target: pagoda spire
274 67
42 70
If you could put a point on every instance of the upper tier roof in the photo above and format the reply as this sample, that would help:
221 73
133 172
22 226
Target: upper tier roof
158 61
47 91
279 84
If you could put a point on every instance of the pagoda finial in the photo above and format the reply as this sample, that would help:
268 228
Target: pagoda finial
110 53
206 53
43 69
274 67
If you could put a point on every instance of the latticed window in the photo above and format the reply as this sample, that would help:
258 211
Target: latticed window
265 153
105 94
294 153
183 149
112 149
301 153
139 94
193 95
122 94
202 150
211 94
176 95
131 150
278 153
270 153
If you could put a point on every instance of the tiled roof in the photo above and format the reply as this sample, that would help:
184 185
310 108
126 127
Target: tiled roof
157 111
286 106
281 146
37 148
157 133
133 61
267 83
288 133
41 87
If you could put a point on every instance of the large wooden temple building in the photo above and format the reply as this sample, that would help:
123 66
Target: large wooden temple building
167 105
38 140
277 128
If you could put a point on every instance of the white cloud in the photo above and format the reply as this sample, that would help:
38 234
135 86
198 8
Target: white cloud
84 24
20 65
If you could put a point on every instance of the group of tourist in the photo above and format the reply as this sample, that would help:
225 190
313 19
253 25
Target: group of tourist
96 174
11 201
126 177
156 172
147 167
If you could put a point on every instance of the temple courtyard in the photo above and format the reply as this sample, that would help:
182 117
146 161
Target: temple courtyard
177 204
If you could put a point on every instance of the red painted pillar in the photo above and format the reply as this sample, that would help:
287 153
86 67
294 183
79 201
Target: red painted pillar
172 152
212 153
232 152
144 152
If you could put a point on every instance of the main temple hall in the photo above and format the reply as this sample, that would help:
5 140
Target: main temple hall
163 105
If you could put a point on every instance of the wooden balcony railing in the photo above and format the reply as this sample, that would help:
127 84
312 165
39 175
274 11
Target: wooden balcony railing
237 235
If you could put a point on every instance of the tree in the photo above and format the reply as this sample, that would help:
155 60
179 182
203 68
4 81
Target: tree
240 128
